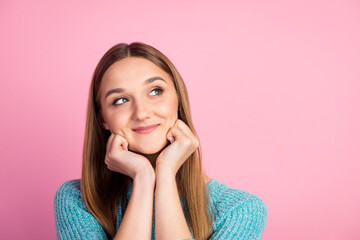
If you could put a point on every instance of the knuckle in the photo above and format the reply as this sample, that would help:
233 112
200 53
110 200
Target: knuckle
188 142
110 155
177 122
107 163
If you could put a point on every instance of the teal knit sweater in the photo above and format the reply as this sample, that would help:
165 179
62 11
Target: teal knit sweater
237 214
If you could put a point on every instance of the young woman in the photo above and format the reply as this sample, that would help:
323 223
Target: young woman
141 175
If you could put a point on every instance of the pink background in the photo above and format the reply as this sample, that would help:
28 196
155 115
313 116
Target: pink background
274 88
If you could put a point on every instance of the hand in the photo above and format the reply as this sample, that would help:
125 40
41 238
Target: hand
183 144
119 159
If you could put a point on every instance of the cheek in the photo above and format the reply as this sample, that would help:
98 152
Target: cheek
168 110
117 122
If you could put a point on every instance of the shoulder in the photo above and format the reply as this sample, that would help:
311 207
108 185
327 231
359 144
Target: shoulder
72 218
236 207
68 195
69 189
224 198
72 185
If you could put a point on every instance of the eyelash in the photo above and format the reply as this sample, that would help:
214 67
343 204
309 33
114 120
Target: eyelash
158 89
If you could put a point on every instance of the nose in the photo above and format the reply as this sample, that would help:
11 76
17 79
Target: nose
142 110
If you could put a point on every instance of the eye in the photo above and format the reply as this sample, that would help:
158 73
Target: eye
119 101
156 91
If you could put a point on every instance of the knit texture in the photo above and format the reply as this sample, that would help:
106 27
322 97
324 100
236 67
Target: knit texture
237 214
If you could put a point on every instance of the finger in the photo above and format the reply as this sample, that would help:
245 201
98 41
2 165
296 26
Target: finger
182 131
120 141
174 134
125 146
185 128
189 133
169 136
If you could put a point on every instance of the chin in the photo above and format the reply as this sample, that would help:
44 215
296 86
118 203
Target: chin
148 148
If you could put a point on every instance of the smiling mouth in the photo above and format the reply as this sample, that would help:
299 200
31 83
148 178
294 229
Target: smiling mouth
145 129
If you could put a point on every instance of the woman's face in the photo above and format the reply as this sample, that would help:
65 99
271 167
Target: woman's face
136 93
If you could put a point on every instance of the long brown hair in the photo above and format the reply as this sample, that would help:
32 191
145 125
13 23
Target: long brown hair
101 188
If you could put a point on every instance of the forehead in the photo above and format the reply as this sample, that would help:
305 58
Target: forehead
132 70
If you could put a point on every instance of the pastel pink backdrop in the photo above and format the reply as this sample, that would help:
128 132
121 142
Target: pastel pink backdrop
274 89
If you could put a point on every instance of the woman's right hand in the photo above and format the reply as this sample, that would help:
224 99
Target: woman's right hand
119 159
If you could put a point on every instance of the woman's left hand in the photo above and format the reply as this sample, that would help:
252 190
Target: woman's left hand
183 144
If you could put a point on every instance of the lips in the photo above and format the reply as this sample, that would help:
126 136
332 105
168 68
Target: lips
145 129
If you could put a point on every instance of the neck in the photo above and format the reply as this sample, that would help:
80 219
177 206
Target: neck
153 156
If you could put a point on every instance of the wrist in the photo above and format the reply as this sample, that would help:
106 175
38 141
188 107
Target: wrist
165 172
145 176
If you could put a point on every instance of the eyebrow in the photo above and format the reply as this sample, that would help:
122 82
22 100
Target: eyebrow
147 81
